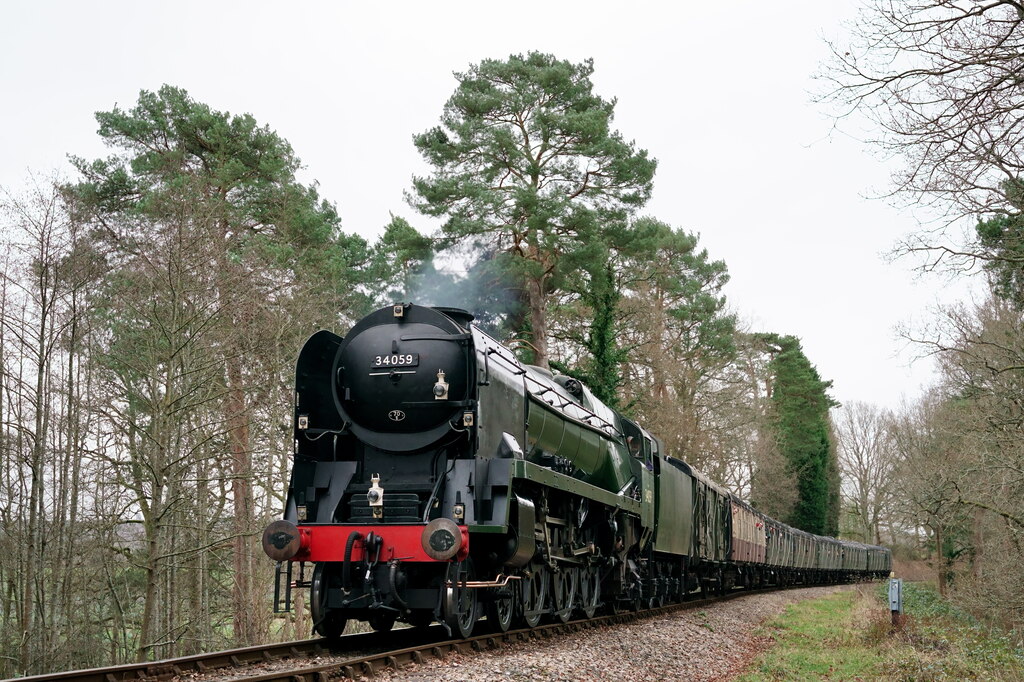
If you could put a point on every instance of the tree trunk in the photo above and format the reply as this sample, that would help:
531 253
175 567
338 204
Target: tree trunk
149 605
538 321
31 631
978 542
241 489
657 350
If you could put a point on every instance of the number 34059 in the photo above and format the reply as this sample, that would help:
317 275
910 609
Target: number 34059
397 360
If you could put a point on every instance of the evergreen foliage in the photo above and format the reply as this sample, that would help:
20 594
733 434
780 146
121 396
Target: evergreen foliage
237 176
525 160
674 324
604 367
400 259
687 285
801 404
404 267
219 263
645 300
1001 241
592 323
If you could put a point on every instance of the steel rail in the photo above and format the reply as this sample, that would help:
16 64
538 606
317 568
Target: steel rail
399 659
239 658
383 652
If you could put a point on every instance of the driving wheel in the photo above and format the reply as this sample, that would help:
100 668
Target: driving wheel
590 590
563 593
534 590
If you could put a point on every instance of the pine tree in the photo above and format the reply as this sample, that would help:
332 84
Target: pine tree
526 161
202 210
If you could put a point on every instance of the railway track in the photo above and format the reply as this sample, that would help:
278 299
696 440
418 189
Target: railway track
234 660
354 656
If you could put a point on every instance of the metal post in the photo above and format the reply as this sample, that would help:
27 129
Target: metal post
896 600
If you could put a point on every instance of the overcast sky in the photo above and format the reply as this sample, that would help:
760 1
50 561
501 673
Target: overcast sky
719 93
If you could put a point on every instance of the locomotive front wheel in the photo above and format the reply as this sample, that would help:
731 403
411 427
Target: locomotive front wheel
460 602
381 620
420 618
327 622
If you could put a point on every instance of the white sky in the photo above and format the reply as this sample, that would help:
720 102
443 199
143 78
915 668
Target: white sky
717 92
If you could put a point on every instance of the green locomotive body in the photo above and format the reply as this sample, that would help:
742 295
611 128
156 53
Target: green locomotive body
438 478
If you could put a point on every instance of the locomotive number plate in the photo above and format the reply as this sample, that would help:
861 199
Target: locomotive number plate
396 360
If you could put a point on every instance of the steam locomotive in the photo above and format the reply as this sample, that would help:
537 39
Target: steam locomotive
438 478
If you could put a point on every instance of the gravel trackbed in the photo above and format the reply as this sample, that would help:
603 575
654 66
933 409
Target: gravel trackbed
715 643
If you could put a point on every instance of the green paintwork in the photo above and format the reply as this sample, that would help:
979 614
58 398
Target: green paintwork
538 474
479 528
674 521
602 461
647 497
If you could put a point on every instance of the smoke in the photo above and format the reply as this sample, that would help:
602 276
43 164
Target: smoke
471 276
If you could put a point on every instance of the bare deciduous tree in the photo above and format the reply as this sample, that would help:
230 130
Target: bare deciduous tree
43 426
942 81
967 472
868 461
931 459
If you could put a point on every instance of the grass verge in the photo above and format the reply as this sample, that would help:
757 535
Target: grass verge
848 635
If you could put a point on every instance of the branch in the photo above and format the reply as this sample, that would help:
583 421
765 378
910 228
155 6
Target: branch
1006 515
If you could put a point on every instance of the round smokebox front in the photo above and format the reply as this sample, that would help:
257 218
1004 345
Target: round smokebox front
402 380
